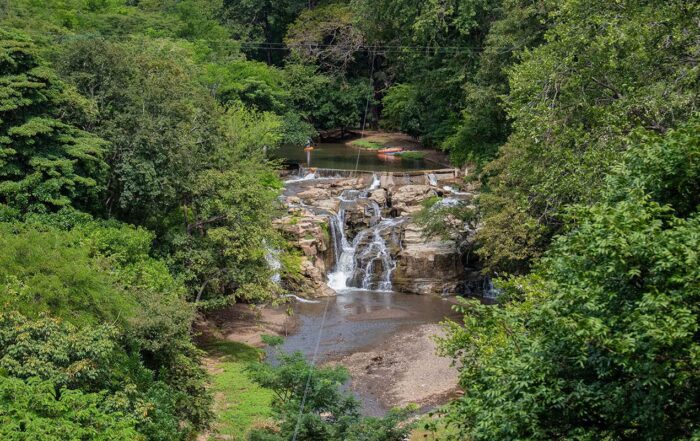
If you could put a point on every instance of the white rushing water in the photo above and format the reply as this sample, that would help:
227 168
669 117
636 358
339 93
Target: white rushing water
376 182
432 179
272 256
357 262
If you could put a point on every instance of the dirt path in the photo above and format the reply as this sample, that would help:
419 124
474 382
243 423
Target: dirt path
403 370
245 324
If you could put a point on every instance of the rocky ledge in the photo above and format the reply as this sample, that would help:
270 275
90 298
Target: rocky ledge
374 216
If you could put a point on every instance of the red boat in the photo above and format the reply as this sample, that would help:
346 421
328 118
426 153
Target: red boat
390 151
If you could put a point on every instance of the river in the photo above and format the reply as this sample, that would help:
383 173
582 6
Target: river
384 337
344 157
358 322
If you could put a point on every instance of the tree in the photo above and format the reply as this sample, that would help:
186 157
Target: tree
58 286
35 409
155 114
45 162
604 70
600 341
328 413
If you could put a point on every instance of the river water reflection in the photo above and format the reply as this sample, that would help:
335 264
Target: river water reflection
343 157
360 320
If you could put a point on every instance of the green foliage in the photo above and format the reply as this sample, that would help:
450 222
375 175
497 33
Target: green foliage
601 73
600 341
367 145
101 273
45 162
241 404
181 165
262 21
326 101
35 409
51 271
449 220
402 109
310 34
328 413
413 155
155 114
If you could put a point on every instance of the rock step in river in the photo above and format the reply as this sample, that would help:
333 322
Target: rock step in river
359 233
363 259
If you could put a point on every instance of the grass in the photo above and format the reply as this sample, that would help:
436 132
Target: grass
432 429
413 155
367 145
240 404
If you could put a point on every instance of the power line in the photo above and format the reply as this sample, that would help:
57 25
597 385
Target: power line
311 370
272 46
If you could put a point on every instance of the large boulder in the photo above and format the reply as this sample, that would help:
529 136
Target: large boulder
408 199
314 194
379 196
310 235
427 267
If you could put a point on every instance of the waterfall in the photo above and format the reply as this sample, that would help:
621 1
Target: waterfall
376 252
432 179
490 291
272 256
366 263
376 182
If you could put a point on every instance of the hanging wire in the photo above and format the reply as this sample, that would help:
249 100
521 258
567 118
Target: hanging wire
311 371
325 309
364 119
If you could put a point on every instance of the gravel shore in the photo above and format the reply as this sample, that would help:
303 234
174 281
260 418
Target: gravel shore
404 370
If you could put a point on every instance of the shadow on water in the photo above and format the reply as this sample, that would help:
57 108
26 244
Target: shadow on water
358 320
344 157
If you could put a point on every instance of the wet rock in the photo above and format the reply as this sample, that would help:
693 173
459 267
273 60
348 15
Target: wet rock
312 195
379 196
309 234
408 199
427 267
331 205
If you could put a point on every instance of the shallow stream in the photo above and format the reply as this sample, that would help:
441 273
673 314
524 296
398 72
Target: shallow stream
343 157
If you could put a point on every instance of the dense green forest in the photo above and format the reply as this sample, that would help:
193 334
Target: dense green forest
137 190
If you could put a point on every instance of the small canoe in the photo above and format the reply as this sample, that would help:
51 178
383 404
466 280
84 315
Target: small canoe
308 149
390 151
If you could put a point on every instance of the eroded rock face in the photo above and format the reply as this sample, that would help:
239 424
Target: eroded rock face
309 233
427 267
377 221
408 199
312 195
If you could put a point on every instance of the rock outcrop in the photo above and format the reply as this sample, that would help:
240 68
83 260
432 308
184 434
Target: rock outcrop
309 233
408 199
373 216
430 266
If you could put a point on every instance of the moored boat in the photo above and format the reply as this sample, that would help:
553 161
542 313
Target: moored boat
390 151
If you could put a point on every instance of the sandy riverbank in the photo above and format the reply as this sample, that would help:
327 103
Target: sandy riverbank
404 369
245 324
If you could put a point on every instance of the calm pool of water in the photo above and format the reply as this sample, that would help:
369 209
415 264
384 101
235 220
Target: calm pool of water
360 320
344 157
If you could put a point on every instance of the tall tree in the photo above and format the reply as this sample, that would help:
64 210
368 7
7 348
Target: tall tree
45 162
601 340
605 69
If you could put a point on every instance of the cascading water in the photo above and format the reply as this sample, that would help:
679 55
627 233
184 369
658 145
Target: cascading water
366 262
490 291
272 256
432 179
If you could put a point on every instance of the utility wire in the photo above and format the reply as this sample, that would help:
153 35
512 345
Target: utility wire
364 119
325 309
311 371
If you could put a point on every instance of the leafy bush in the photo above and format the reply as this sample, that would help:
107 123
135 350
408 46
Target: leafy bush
328 413
600 341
